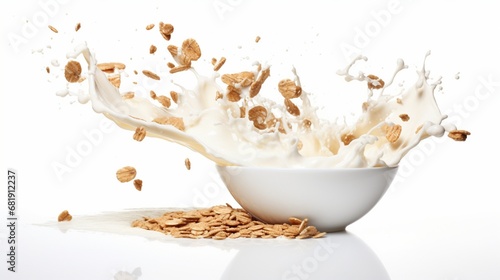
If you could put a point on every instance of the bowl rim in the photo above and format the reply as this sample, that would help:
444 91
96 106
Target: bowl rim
320 169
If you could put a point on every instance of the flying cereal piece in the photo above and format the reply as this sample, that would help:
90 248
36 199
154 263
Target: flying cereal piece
404 117
219 63
291 107
152 49
166 30
179 68
233 93
175 96
138 184
258 115
53 29
72 71
244 79
164 100
115 80
65 216
257 85
191 49
126 174
375 82
109 67
289 89
140 133
458 135
173 121
392 132
150 74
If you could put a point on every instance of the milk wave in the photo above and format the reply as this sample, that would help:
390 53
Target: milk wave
214 127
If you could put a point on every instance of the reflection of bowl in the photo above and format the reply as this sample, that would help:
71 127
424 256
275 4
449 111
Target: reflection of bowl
335 256
330 198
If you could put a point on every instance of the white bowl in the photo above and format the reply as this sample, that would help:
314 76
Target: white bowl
330 198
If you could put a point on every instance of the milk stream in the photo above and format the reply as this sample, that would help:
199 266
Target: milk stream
214 128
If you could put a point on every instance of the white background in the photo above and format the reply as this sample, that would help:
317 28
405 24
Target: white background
439 220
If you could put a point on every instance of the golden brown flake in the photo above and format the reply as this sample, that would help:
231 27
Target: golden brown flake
218 95
173 50
187 163
72 71
289 89
65 216
404 117
109 67
175 96
164 100
294 221
140 133
150 26
126 174
392 132
170 65
191 49
173 121
179 68
138 184
150 74
166 30
347 138
115 80
257 85
244 79
257 39
258 115
399 101
458 135
233 93
291 107
53 29
152 49
47 69
375 82
129 95
219 63
78 26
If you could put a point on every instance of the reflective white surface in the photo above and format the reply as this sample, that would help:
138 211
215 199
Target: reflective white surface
104 246
440 219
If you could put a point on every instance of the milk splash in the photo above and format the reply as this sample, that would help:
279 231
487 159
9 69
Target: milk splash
208 121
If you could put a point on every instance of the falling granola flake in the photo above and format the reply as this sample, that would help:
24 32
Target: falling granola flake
72 71
459 135
53 29
150 74
138 184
